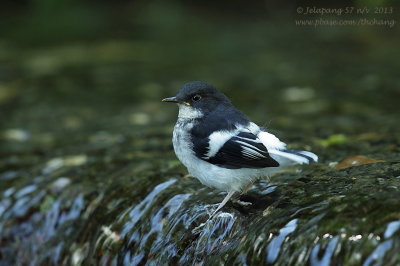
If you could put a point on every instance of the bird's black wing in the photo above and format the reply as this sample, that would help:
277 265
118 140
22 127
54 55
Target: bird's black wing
242 150
224 141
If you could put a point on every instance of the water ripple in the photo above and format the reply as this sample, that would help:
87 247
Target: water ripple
376 257
391 229
274 246
137 212
329 251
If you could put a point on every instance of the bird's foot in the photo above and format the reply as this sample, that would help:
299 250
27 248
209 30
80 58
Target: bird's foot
210 219
222 204
197 229
242 203
210 213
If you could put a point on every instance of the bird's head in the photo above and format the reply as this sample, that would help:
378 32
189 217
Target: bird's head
196 99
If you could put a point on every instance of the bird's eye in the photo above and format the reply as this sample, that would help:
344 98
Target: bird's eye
196 97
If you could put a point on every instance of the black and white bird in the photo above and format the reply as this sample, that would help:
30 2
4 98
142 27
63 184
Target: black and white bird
220 146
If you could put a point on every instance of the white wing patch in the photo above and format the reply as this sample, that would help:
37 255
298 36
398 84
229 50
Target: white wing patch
217 140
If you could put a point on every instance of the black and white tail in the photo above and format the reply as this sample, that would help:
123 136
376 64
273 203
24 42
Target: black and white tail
277 150
290 157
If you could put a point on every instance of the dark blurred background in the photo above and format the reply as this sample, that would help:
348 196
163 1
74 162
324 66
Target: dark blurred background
73 66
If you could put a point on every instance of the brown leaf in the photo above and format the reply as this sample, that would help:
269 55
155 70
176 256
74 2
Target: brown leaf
355 161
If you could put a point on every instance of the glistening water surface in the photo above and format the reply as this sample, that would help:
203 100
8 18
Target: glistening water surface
88 175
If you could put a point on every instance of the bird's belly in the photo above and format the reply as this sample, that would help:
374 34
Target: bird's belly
223 178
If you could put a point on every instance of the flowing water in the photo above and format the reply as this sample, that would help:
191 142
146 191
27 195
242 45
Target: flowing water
88 175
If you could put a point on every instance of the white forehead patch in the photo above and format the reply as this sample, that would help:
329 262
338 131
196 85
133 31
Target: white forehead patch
188 112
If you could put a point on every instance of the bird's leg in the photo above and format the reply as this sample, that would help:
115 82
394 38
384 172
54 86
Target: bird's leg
244 191
222 204
187 176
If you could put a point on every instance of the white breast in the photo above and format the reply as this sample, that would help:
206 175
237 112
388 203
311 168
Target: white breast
181 141
188 112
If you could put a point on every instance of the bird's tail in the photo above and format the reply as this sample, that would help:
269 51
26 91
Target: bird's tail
290 157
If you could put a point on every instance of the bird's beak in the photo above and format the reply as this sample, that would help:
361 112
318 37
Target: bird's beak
170 100
174 100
